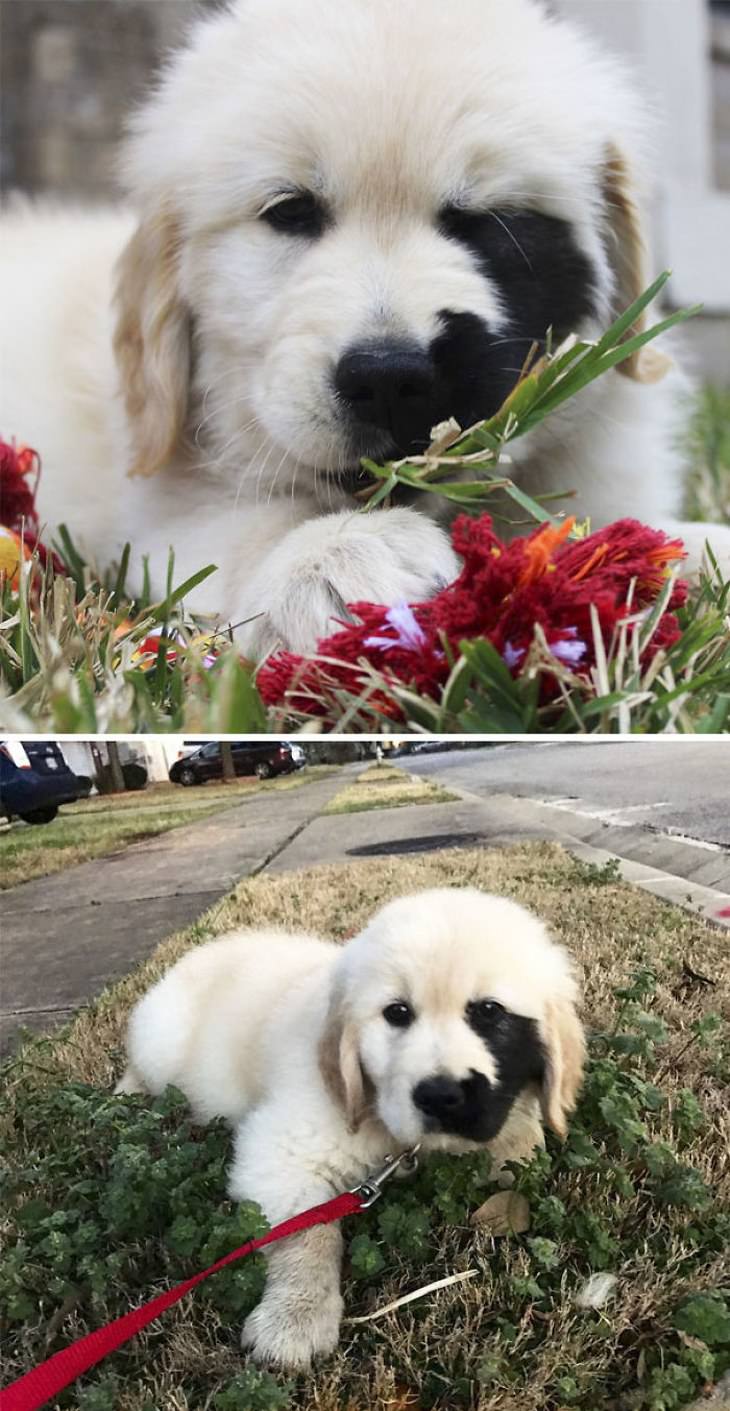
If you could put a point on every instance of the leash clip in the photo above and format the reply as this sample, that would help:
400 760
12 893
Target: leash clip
371 1189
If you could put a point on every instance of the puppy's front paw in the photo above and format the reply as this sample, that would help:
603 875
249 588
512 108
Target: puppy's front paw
389 556
290 1332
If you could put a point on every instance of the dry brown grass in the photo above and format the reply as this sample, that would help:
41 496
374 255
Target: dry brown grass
385 786
611 930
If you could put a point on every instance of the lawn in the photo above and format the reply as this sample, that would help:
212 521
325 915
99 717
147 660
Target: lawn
109 1200
385 786
708 454
93 827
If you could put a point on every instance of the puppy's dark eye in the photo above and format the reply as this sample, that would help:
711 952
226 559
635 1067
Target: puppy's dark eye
399 1014
298 214
484 1013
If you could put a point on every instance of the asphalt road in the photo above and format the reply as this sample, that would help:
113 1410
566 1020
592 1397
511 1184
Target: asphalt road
677 787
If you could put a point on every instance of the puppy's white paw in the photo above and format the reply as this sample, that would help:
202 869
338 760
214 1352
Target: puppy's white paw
389 556
130 1082
290 1331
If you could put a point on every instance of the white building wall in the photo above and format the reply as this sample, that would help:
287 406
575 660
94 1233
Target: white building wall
160 751
156 752
78 756
669 43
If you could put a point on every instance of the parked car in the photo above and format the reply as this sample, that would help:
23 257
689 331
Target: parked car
35 780
261 758
134 775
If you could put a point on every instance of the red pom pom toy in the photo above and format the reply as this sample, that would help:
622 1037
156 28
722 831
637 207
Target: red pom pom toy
504 591
18 515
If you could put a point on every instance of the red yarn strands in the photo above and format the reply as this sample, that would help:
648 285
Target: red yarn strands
502 593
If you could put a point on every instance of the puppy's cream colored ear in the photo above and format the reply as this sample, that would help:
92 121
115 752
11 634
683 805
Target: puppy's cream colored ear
565 1049
152 341
340 1066
628 255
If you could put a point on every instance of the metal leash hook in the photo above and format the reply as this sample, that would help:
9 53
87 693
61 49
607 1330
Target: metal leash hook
372 1189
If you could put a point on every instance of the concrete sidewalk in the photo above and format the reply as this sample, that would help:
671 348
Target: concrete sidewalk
66 936
501 819
691 878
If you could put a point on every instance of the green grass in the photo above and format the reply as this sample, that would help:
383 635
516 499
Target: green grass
94 827
67 650
108 1201
708 451
383 786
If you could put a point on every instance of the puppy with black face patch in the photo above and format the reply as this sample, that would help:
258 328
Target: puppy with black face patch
449 1020
353 218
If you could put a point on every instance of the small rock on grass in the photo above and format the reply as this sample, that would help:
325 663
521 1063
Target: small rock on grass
596 1291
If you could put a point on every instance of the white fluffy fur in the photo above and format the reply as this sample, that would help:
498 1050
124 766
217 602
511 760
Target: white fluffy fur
285 1037
389 110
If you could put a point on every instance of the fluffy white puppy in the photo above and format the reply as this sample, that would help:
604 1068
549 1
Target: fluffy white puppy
450 1020
353 217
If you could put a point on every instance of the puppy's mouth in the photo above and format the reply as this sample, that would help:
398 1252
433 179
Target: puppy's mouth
391 393
351 479
378 447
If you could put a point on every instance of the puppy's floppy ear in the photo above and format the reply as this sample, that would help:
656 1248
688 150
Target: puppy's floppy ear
627 253
152 340
565 1051
339 1062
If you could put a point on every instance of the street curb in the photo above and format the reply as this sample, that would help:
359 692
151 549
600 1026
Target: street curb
667 886
705 901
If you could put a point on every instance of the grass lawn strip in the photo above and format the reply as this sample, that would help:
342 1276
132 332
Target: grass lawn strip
93 827
109 1200
385 786
158 795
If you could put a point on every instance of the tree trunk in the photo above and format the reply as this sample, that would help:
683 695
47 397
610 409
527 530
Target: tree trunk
229 773
115 767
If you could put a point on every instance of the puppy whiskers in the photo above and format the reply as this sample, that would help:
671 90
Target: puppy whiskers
512 237
297 464
272 486
222 407
262 468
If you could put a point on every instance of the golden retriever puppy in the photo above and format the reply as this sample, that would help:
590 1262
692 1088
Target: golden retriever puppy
449 1020
349 220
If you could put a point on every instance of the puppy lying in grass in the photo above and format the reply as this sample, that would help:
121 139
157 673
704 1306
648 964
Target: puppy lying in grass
449 1020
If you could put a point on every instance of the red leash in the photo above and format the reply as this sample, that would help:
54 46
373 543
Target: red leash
45 1381
50 1377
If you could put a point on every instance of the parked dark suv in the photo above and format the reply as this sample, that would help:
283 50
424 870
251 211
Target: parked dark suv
249 757
36 790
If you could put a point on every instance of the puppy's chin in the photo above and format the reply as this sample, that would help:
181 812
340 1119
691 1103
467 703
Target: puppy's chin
351 448
449 1142
400 1118
482 1127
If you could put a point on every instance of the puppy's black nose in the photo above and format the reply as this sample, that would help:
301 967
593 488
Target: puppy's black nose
440 1097
387 384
